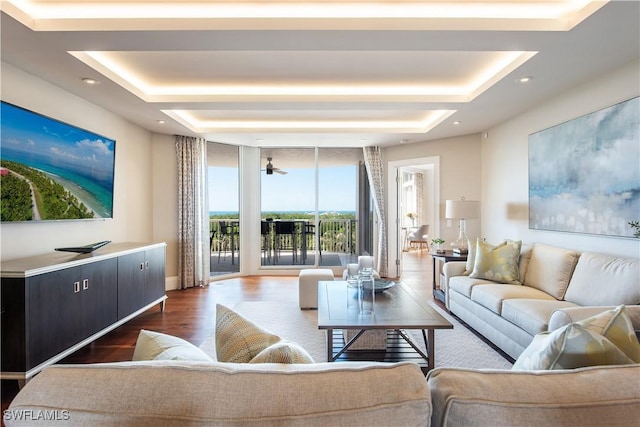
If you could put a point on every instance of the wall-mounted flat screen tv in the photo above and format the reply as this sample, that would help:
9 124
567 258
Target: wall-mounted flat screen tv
50 170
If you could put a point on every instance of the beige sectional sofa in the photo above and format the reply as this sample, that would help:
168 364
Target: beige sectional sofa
557 286
180 393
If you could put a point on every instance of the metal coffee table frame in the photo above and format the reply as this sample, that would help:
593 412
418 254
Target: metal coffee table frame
398 308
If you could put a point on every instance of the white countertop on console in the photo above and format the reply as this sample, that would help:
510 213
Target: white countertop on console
45 263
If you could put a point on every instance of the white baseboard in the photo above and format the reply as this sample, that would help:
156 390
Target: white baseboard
171 283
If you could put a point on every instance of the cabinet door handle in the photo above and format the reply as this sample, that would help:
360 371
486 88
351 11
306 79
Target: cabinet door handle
85 284
146 264
76 287
141 266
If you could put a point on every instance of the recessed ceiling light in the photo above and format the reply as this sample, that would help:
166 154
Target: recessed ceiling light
90 81
525 79
457 122
161 122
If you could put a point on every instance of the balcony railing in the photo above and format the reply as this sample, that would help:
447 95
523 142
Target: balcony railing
336 235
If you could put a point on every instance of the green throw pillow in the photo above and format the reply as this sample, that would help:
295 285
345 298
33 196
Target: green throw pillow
156 346
616 326
239 340
283 352
605 339
497 263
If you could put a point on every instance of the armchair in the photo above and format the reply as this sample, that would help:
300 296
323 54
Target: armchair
419 235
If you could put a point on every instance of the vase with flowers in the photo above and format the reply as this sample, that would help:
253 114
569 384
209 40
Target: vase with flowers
412 217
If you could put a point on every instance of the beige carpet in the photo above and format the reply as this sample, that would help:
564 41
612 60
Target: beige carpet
458 347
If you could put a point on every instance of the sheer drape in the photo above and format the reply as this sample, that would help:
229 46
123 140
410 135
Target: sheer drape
420 198
193 212
375 172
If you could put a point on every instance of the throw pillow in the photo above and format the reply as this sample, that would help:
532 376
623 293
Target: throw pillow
605 339
616 326
572 346
497 263
283 352
471 259
156 346
239 340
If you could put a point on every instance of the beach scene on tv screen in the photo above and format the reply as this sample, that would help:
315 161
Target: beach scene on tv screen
50 170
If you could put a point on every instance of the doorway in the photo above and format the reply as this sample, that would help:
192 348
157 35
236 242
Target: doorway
414 191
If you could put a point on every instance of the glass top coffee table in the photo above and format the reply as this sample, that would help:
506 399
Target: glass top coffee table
397 308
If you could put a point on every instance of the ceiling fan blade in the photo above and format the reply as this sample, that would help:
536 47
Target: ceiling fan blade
270 169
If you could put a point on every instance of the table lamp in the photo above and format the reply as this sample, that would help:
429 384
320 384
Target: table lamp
462 210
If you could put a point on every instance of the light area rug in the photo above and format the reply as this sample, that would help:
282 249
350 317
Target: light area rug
457 347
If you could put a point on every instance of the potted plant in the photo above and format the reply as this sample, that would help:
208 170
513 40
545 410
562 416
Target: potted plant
437 243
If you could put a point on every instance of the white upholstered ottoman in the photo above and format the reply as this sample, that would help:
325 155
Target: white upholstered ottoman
308 285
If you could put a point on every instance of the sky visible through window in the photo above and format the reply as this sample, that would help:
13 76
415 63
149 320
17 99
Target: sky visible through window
287 193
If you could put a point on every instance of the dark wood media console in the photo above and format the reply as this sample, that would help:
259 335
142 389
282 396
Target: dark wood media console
56 303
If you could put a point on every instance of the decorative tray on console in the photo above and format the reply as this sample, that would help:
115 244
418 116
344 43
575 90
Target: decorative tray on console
381 285
86 249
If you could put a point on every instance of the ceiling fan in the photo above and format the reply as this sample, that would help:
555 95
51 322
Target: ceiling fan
270 169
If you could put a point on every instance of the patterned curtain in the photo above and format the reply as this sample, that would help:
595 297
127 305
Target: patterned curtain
419 179
375 172
193 212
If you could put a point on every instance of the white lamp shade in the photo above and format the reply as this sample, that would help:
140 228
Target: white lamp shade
462 209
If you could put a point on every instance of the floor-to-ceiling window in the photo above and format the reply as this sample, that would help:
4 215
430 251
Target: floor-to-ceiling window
338 205
309 213
224 213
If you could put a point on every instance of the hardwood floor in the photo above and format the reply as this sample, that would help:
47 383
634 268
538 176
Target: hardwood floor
190 313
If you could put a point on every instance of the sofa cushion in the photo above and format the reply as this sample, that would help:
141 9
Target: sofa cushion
492 295
605 339
238 339
283 352
167 393
525 257
594 396
156 346
471 259
464 284
498 263
604 280
550 269
532 315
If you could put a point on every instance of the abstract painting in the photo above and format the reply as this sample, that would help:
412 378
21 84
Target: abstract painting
584 175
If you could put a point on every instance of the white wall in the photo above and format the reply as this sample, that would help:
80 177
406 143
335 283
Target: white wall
459 176
505 188
165 201
133 205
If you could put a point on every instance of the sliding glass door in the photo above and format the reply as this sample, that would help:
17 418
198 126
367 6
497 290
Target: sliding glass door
309 200
338 205
224 213
287 211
